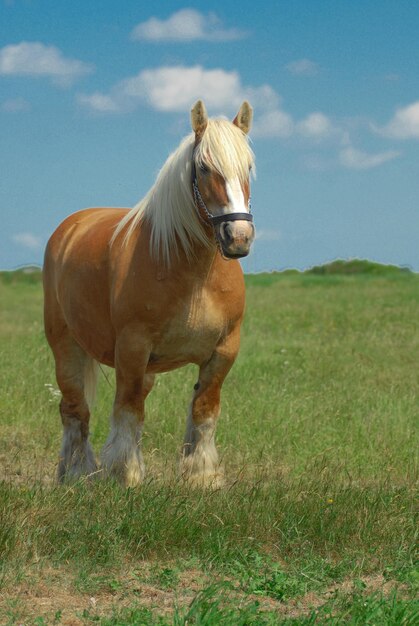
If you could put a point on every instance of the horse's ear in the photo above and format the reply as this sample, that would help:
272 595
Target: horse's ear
199 117
244 117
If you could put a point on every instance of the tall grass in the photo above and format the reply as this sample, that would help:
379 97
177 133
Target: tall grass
318 436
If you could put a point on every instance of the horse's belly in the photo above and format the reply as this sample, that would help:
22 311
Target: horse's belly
193 348
189 338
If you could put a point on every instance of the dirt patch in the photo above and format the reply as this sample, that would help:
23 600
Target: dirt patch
297 607
53 595
56 600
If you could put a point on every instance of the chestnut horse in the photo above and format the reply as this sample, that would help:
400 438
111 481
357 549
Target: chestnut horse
151 289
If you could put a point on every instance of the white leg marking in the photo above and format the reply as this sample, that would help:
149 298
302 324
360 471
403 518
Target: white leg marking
76 456
199 464
121 454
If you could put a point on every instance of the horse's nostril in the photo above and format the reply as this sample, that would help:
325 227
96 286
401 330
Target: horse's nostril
228 238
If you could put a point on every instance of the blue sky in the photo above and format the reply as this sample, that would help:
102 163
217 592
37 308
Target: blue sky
95 95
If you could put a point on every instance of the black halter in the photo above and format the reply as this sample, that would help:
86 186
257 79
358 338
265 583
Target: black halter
200 204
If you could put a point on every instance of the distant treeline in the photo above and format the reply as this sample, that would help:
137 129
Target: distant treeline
356 266
30 274
33 274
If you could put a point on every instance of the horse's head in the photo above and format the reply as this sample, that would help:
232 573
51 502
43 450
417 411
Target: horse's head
221 165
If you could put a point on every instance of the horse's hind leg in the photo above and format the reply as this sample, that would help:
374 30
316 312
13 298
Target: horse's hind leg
76 377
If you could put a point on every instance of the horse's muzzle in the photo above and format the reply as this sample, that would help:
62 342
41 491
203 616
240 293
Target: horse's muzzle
236 238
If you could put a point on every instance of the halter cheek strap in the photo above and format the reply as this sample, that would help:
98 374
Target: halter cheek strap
200 204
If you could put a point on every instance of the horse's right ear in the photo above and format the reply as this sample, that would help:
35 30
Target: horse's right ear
199 117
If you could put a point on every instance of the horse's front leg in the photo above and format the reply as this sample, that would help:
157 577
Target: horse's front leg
121 454
199 463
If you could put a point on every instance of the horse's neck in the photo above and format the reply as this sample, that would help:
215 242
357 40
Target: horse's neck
201 263
195 268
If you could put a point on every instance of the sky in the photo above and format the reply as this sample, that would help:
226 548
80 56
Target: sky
94 96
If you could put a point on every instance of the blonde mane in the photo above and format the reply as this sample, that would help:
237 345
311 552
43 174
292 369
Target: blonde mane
169 205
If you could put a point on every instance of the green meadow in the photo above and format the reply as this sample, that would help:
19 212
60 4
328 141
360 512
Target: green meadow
317 523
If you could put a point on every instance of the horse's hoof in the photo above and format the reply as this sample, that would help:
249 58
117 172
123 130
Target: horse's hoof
213 480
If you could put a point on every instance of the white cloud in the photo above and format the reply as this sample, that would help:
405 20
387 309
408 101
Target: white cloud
15 105
99 102
275 123
303 67
38 60
174 89
185 25
28 240
356 159
316 125
404 124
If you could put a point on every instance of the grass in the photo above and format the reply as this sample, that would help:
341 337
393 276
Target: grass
215 608
318 434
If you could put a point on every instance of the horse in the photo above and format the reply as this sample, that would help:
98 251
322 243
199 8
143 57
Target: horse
152 289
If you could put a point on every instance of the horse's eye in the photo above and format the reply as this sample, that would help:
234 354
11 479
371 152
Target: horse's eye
203 168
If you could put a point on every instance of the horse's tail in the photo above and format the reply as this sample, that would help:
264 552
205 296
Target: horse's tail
90 380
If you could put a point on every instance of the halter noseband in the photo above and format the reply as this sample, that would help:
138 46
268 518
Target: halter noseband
200 204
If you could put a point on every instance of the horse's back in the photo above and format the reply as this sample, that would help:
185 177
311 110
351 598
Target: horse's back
76 280
87 231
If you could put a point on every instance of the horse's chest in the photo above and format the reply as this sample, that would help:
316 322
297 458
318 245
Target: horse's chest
191 334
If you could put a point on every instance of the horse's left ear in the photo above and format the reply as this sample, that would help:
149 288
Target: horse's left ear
244 117
199 117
